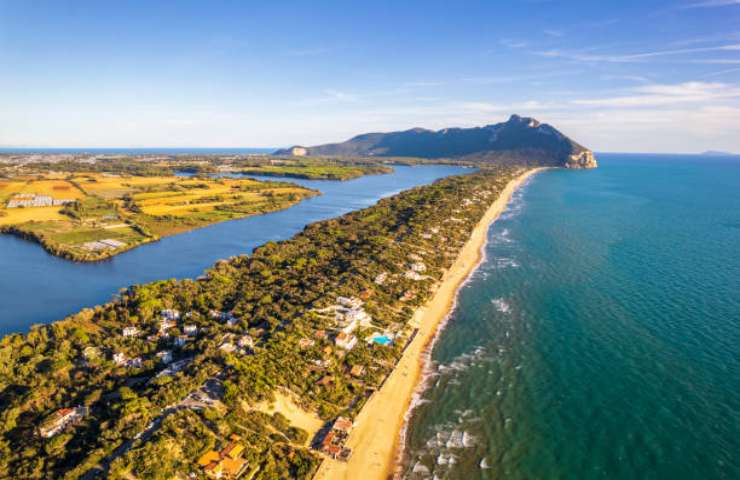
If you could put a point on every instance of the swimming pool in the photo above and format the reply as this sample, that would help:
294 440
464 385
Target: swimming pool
382 340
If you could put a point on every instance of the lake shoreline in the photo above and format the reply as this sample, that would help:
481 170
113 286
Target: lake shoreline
377 438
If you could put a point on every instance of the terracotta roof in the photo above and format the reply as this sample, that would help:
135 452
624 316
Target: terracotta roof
208 458
343 424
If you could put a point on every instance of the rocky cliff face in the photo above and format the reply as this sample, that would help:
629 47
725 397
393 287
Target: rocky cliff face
583 159
520 139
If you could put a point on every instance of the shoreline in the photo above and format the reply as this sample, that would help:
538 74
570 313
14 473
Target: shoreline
377 438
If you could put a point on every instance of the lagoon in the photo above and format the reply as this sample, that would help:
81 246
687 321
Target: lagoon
36 287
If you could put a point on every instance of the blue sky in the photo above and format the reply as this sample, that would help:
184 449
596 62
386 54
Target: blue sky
643 76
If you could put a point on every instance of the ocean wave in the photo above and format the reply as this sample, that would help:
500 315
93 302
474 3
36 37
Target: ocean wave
504 262
501 305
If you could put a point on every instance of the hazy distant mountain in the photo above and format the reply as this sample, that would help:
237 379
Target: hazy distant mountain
716 153
519 139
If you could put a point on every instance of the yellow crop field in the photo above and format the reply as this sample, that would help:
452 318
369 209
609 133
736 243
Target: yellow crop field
20 215
59 189
180 210
132 210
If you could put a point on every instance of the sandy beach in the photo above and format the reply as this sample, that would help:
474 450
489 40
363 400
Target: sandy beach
377 432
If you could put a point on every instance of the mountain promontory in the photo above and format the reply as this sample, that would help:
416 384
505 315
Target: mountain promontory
521 140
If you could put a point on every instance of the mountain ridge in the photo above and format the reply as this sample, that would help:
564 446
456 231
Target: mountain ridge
519 139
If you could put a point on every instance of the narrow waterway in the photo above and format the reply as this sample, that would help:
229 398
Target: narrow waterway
36 287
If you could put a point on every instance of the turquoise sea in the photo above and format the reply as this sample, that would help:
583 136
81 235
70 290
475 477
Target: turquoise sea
601 336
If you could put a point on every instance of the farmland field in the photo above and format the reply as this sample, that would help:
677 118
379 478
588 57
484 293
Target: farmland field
106 214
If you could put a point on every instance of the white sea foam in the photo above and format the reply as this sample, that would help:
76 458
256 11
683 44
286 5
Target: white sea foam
429 371
504 262
501 305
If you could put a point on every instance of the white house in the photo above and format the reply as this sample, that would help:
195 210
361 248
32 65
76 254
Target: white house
345 341
165 356
170 314
130 331
119 358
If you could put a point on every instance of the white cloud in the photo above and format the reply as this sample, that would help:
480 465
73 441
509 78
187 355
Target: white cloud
507 42
553 33
632 57
713 3
659 95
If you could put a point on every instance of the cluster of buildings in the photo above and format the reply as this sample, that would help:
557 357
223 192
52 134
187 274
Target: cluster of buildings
59 420
230 343
225 463
23 200
168 320
349 315
333 443
415 271
105 244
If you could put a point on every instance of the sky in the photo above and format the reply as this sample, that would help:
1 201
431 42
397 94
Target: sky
615 75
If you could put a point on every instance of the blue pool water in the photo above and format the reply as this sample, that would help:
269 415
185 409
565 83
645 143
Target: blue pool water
382 340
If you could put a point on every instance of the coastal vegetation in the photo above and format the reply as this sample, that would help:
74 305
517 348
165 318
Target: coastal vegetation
315 170
86 216
175 372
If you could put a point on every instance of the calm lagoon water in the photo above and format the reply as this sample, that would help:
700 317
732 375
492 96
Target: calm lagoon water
601 337
36 287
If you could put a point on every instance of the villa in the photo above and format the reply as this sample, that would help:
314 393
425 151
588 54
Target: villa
412 275
418 267
170 314
226 463
345 341
349 302
190 330
119 358
245 341
130 331
333 442
227 347
166 324
134 363
57 421
165 356
305 343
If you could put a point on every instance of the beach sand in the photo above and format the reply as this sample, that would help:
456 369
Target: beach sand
375 438
297 416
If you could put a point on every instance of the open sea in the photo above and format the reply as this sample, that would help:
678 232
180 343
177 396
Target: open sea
600 338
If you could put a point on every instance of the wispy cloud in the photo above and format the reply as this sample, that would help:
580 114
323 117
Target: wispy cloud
718 61
528 77
507 42
660 95
629 78
632 57
722 72
553 33
712 3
